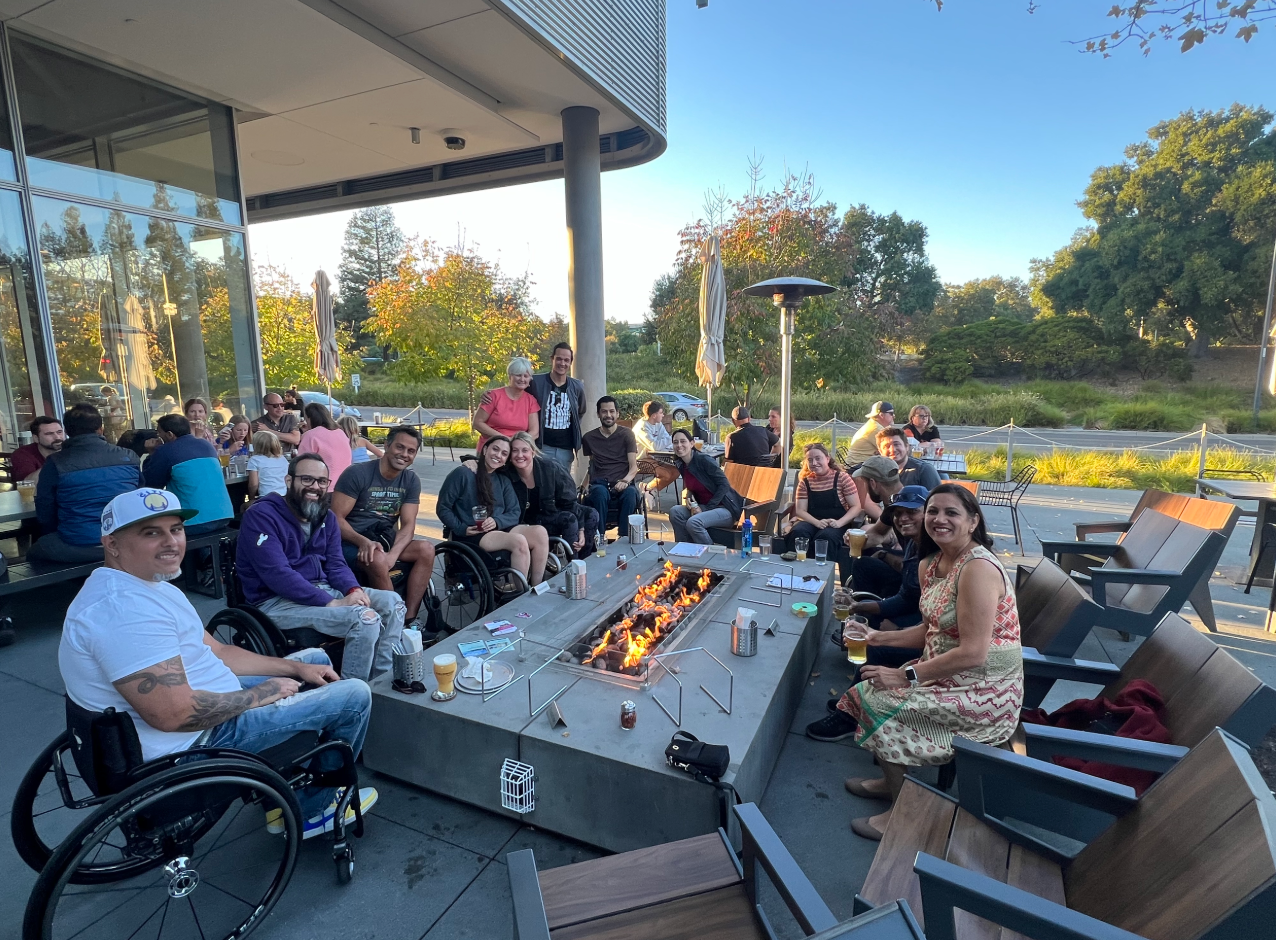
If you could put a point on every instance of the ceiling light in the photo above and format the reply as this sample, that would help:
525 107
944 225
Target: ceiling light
416 134
454 143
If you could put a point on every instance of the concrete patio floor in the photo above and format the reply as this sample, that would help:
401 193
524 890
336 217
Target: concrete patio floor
433 868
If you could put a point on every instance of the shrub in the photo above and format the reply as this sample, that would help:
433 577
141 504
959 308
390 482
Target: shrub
1148 416
1138 470
1066 348
1153 359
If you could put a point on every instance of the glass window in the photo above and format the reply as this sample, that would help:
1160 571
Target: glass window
24 374
94 131
146 313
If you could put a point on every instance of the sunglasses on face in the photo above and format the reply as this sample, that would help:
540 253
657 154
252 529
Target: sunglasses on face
305 480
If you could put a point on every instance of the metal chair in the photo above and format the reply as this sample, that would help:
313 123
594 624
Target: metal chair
1008 494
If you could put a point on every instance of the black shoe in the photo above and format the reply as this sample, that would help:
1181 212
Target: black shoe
834 727
831 704
836 636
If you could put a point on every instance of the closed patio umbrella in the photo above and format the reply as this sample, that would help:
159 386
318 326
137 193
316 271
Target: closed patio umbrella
711 361
327 355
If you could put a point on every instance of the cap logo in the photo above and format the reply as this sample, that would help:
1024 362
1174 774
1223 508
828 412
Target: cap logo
108 520
155 502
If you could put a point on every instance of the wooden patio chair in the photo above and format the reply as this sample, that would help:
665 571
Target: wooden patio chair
762 488
1193 858
1055 613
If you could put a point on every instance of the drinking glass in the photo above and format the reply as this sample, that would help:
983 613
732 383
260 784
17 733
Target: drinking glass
855 540
480 513
841 604
821 551
764 544
855 636
445 676
799 546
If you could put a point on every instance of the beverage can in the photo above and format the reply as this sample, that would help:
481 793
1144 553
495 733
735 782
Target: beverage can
628 715
622 562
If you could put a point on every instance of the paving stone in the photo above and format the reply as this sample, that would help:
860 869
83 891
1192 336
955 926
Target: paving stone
458 823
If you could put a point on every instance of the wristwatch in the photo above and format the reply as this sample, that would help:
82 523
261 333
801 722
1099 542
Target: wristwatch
911 675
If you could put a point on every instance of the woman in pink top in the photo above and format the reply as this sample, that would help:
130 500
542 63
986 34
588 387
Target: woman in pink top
327 440
503 412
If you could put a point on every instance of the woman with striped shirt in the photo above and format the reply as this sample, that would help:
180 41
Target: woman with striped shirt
826 502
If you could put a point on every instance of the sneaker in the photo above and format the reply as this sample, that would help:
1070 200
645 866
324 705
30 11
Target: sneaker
833 727
428 637
324 822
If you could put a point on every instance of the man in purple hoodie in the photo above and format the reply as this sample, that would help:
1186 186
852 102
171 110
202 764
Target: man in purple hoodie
290 566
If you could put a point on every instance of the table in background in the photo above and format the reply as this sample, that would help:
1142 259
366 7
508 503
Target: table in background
13 509
1265 494
948 463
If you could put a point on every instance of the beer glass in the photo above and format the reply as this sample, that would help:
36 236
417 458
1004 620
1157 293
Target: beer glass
445 676
799 546
855 636
856 539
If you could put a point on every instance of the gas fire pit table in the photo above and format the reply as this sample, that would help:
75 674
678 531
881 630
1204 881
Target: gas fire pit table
648 634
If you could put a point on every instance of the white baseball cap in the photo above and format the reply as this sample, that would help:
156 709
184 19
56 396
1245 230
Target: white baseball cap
137 505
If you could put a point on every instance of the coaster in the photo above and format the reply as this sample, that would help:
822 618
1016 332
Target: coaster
440 697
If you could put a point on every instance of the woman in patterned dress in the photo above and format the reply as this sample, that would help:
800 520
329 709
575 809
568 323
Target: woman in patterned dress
969 679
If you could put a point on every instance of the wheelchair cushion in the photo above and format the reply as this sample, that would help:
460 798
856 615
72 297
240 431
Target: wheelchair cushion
104 745
286 754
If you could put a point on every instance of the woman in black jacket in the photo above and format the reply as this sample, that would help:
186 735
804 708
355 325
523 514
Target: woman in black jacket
717 504
547 496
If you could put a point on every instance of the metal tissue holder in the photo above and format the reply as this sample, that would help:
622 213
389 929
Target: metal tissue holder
409 667
659 661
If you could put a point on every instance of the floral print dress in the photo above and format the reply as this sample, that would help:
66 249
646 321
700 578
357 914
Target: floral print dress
916 726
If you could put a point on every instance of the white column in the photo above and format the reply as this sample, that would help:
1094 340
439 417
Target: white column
582 167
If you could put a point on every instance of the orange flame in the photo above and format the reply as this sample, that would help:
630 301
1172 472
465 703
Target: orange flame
667 613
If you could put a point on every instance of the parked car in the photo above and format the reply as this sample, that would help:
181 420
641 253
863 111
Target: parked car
684 407
337 408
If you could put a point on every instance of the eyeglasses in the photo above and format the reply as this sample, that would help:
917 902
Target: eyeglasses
305 480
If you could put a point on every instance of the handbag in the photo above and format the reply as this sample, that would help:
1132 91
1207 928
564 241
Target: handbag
706 763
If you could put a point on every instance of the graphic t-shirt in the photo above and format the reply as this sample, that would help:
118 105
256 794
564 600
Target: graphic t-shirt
556 419
377 500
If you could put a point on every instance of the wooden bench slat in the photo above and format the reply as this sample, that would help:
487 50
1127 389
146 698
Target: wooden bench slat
920 822
616 883
1036 875
979 848
1209 699
724 914
1167 659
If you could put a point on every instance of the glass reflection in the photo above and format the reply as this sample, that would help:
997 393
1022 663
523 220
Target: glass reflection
24 379
146 312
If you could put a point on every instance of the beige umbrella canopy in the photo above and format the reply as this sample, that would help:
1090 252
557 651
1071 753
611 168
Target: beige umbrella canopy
711 361
327 355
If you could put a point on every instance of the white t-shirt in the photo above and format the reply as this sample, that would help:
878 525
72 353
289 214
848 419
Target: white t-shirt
270 473
119 624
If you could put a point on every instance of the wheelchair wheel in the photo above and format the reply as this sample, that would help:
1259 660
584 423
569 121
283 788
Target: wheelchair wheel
462 585
41 819
204 863
507 584
236 627
560 553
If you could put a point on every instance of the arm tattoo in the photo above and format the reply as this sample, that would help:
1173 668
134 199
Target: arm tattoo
208 709
170 673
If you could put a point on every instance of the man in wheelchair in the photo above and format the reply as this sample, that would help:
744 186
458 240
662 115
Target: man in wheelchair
134 643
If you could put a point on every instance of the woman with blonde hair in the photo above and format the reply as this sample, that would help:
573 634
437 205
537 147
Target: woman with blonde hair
361 449
196 411
503 412
235 437
267 467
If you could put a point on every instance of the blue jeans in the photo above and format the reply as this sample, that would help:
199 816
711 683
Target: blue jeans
602 498
338 711
563 456
370 632
694 527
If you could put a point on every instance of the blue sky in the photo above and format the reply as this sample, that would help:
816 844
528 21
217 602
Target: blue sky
980 121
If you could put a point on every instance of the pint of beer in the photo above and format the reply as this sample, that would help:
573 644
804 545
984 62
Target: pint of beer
445 673
855 636
855 539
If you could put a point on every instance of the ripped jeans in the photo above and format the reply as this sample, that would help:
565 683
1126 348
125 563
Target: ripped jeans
370 632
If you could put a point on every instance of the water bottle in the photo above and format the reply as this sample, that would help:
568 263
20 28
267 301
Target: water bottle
746 538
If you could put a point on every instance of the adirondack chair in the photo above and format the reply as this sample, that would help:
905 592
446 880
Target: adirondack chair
696 887
1193 858
1206 513
762 489
1150 573
1204 687
1055 614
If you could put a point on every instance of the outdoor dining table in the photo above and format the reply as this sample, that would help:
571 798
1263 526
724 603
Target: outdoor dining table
13 509
948 463
1265 494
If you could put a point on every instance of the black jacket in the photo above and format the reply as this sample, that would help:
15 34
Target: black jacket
554 485
706 470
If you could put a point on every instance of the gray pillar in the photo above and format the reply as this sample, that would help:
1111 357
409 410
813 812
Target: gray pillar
582 189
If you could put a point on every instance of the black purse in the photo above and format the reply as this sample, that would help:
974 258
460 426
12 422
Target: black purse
705 762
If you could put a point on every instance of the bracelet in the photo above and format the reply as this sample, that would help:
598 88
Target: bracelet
353 589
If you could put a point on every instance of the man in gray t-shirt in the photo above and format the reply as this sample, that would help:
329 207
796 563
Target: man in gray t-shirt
376 504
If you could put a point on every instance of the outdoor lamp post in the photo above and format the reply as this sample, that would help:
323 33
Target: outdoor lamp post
787 293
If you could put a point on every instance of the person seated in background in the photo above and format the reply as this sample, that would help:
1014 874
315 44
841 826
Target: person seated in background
825 503
864 442
750 444
921 427
717 504
376 504
133 642
75 485
893 578
773 424
290 565
877 480
141 441
650 431
362 450
893 443
293 401
480 485
196 411
547 495
267 467
283 423
188 466
613 463
47 436
235 437
323 437
512 408
220 409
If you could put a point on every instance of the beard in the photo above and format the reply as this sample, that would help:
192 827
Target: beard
309 510
162 576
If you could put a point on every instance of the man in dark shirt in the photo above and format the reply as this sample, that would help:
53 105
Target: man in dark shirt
893 443
750 444
613 463
282 422
29 458
376 504
562 401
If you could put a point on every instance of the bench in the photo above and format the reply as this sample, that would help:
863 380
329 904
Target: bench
1151 572
695 888
1203 685
761 488
1194 857
1206 513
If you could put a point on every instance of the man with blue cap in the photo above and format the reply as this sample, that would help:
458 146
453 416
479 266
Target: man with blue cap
133 642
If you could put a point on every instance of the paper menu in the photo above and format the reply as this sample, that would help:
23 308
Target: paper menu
688 549
789 583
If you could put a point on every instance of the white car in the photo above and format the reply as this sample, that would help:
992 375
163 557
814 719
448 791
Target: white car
684 407
337 408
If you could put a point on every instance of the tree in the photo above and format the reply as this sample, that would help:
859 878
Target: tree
370 253
1182 231
1006 298
454 314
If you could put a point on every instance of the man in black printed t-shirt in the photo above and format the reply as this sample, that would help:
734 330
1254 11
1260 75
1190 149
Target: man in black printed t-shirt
562 401
376 504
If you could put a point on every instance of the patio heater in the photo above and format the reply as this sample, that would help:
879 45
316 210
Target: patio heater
787 293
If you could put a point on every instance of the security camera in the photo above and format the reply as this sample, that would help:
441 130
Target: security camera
454 143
